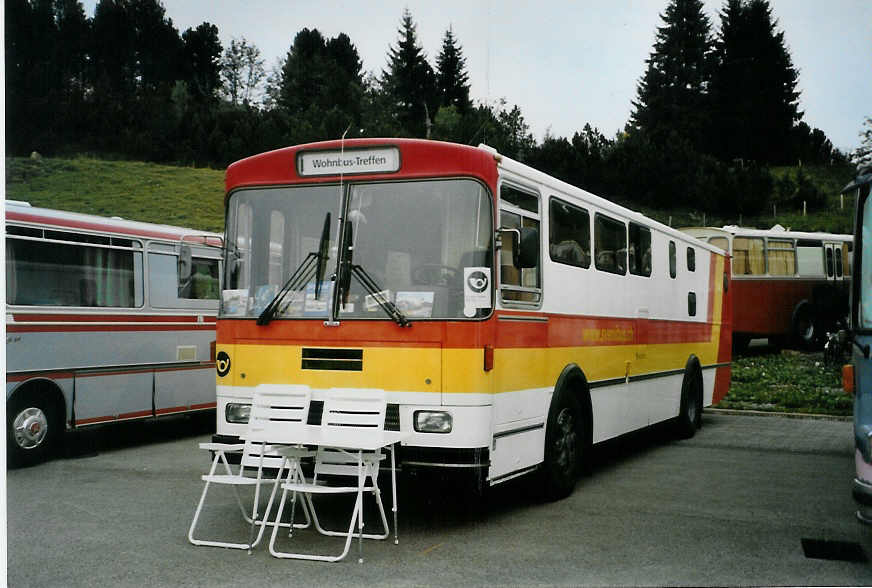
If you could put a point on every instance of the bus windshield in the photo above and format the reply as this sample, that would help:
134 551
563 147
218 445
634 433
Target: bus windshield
416 243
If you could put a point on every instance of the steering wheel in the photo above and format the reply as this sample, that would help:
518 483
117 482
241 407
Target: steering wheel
434 274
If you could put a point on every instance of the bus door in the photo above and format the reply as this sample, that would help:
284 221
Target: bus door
520 364
833 262
183 285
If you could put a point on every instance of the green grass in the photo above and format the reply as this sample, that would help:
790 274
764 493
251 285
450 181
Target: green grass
787 381
183 196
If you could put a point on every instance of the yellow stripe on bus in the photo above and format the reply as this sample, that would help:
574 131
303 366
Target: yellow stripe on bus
461 371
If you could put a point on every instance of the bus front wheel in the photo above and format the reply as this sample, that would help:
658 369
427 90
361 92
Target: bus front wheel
563 444
32 427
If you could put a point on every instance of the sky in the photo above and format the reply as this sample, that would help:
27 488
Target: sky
564 63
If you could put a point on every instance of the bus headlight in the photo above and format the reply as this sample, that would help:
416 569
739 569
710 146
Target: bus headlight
237 413
429 421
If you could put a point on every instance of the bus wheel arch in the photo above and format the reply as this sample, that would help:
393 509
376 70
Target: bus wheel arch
690 409
568 434
34 422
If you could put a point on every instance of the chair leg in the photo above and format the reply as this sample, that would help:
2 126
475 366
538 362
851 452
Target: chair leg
394 495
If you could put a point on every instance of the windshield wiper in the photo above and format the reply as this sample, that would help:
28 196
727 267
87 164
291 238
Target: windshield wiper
312 266
376 292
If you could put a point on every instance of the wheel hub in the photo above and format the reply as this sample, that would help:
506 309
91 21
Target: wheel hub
30 428
565 441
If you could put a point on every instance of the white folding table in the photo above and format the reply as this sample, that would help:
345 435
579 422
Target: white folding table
354 441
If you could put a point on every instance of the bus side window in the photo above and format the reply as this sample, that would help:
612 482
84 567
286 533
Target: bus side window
67 273
810 258
839 268
569 234
673 260
204 280
721 242
748 256
691 259
781 257
518 209
830 268
639 251
610 244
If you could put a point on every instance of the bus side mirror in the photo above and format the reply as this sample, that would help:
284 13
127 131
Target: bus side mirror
528 250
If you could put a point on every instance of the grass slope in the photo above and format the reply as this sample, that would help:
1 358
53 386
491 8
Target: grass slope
133 190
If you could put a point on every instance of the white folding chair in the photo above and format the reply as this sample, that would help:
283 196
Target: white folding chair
348 410
272 406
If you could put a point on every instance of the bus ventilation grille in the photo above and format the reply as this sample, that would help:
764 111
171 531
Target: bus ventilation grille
392 415
349 360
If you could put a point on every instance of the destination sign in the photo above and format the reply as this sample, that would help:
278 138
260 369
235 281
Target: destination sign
353 161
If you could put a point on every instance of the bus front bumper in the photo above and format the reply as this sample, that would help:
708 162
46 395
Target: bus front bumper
413 458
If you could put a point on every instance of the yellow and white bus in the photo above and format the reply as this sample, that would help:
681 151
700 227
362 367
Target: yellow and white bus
512 320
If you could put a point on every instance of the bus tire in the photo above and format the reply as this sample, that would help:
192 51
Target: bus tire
33 426
690 413
564 440
805 329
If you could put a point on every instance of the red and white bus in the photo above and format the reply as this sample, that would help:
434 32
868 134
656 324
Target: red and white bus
512 319
789 286
106 320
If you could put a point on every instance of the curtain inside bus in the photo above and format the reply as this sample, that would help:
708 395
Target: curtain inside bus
748 256
56 274
782 258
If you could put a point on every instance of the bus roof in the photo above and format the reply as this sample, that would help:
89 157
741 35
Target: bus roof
419 158
777 232
22 212
560 186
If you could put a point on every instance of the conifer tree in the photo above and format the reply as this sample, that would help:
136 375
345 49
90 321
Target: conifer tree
753 91
321 85
410 82
672 93
452 80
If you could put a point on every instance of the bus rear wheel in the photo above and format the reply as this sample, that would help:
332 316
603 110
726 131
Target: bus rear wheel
804 326
690 413
563 444
32 428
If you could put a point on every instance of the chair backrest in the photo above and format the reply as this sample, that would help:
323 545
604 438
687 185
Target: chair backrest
354 407
345 408
276 410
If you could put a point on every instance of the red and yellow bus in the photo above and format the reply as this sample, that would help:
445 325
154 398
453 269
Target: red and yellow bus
512 320
789 286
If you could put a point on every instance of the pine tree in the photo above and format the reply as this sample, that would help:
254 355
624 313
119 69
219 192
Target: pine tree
410 82
321 86
201 66
672 93
452 80
753 92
